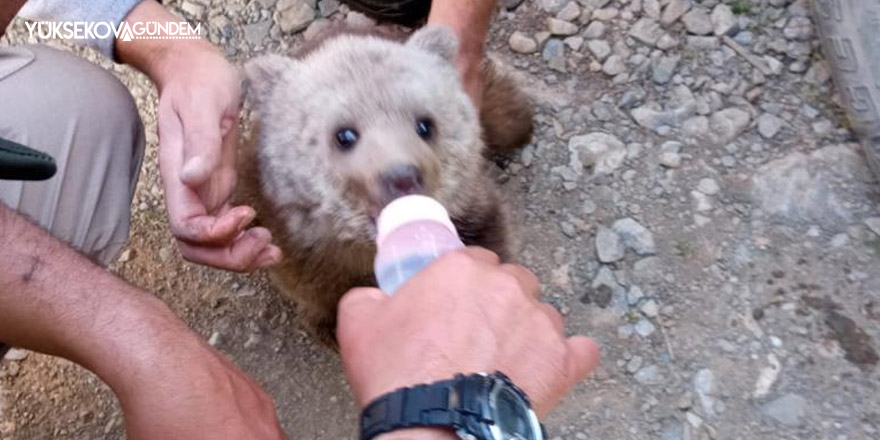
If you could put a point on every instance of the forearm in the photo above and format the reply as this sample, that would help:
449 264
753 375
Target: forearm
151 56
419 434
469 19
54 300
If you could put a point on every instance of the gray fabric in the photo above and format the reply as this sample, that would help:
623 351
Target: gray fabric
86 119
113 11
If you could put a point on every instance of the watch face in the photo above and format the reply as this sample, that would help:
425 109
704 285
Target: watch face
513 418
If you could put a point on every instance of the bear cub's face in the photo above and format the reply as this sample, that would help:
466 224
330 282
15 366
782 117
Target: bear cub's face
358 122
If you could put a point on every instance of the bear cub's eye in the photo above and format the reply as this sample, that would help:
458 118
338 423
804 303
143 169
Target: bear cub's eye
425 128
346 138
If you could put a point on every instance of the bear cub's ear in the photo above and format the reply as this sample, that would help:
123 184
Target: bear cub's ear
263 73
436 39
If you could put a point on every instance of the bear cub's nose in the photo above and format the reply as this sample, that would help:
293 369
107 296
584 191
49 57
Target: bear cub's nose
401 180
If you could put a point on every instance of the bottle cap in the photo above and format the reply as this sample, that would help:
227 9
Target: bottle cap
410 209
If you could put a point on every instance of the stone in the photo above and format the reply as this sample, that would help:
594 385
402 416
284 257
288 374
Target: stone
650 308
614 65
601 151
769 125
294 15
561 27
16 354
663 67
552 6
647 31
609 246
594 30
727 124
708 186
787 410
522 43
674 10
607 291
328 7
649 375
644 328
666 42
574 43
651 9
193 9
704 387
605 14
799 29
670 160
702 202
316 28
254 33
697 22
873 224
723 20
635 236
358 20
599 48
634 364
553 48
569 12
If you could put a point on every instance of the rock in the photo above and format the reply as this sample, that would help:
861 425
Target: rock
647 31
704 385
522 43
599 48
650 308
609 246
769 125
294 15
767 377
651 9
214 339
316 28
696 130
647 269
634 364
574 43
670 160
614 65
254 33
645 328
873 224
635 236
674 10
570 12
510 5
702 202
16 354
697 22
799 29
553 48
666 42
663 67
650 117
727 124
358 20
649 375
805 188
603 152
328 7
605 14
553 6
596 29
193 9
560 27
723 20
788 409
606 289
634 295
708 186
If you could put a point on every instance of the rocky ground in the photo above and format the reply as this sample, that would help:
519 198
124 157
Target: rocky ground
693 199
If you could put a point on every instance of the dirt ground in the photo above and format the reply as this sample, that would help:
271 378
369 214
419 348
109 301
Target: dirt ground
741 301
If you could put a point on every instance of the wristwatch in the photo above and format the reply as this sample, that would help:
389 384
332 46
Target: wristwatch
475 407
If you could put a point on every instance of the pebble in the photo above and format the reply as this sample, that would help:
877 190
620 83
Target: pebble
634 364
609 246
595 30
614 65
599 48
294 15
522 43
16 354
702 202
647 31
553 48
650 308
561 27
645 328
663 67
553 6
569 12
601 151
787 410
822 127
635 236
723 20
634 295
670 159
674 10
708 186
605 14
799 29
697 22
873 224
574 43
727 124
704 385
649 375
769 125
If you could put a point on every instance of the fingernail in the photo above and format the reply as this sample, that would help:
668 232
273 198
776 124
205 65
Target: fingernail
246 219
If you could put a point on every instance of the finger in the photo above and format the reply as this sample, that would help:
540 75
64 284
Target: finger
583 357
555 317
240 256
202 141
526 279
210 230
360 301
482 254
270 256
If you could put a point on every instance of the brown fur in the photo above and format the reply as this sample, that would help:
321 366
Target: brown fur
317 270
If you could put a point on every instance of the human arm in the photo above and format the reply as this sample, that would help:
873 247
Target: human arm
469 19
170 384
199 97
466 313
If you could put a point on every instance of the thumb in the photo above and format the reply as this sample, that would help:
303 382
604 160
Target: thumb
357 304
202 143
583 357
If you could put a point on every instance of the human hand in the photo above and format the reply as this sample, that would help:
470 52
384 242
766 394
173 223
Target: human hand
465 313
199 99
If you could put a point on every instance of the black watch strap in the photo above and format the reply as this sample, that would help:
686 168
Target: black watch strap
439 404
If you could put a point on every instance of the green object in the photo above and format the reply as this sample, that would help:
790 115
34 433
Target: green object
18 162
